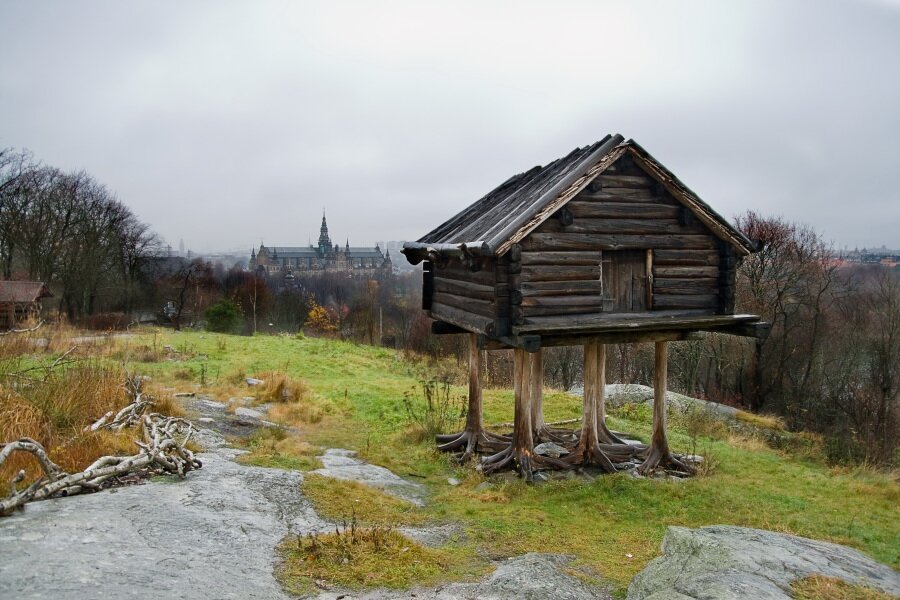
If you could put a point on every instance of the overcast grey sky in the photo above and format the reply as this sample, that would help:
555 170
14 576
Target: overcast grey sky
227 123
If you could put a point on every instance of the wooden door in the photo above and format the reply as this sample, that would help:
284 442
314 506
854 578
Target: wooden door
624 277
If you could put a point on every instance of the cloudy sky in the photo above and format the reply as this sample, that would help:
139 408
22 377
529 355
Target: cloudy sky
227 123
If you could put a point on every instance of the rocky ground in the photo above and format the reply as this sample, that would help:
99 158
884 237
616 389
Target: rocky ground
213 535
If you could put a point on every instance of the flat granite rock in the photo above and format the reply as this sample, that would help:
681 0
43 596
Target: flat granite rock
729 563
339 463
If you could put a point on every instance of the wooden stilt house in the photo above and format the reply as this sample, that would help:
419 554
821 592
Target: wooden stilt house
604 245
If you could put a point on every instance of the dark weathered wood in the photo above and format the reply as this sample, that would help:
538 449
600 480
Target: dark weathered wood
674 258
685 272
621 226
473 438
561 301
622 194
625 280
464 288
479 307
462 318
558 288
563 273
441 328
659 454
580 241
667 285
663 301
564 216
561 258
546 311
592 209
427 284
460 273
661 320
624 181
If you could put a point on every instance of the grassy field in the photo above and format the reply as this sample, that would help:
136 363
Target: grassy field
352 396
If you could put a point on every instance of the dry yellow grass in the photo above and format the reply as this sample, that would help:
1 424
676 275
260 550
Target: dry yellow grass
819 587
55 410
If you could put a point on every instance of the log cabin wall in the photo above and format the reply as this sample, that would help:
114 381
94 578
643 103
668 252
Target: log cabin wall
593 255
479 299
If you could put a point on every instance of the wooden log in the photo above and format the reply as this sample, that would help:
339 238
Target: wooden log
686 272
561 258
663 301
545 311
464 288
591 209
458 273
427 284
649 272
462 318
441 328
659 454
625 337
473 438
558 288
536 383
479 307
621 194
625 181
562 301
668 285
580 241
699 258
657 320
560 273
622 226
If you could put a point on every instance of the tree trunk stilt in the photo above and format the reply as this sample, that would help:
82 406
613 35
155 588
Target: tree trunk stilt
603 433
474 438
521 451
659 455
542 432
589 450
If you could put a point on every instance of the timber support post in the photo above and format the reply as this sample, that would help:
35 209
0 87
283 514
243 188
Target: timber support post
659 454
474 437
520 451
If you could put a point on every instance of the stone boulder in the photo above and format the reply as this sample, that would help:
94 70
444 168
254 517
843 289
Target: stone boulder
724 562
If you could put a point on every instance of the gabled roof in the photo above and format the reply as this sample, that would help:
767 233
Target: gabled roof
23 291
516 207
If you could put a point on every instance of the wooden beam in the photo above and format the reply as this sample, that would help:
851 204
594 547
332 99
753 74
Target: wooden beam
442 328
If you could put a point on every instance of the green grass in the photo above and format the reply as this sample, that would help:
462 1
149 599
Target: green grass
360 391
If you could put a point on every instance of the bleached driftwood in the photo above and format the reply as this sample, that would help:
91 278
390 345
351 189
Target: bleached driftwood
160 448
128 416
163 447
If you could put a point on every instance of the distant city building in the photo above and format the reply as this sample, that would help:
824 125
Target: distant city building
291 261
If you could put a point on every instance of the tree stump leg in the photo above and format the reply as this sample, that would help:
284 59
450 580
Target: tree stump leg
474 438
591 449
659 455
540 430
520 452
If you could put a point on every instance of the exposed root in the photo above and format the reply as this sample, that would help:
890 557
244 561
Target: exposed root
471 443
523 460
665 460
557 435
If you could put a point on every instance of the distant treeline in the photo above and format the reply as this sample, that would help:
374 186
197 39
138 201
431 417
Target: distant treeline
69 231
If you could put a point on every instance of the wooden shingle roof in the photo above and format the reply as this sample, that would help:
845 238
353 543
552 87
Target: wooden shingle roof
23 291
516 207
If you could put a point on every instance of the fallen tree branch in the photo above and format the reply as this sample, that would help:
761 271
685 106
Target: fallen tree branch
28 330
160 450
163 448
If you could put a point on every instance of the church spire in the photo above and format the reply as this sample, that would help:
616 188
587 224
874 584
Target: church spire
324 239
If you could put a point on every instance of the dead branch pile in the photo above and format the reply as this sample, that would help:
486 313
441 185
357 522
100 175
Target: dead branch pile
162 449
